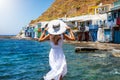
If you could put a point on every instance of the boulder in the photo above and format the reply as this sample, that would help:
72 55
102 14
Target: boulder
116 53
85 49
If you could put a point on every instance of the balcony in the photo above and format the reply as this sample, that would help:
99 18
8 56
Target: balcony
116 5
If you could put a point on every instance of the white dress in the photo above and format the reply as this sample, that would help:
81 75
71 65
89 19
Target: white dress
57 61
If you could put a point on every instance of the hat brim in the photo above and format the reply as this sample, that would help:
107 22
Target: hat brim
61 30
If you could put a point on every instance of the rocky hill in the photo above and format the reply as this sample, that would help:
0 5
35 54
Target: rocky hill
69 8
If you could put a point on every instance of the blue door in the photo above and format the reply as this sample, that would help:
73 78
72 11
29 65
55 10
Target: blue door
107 34
116 37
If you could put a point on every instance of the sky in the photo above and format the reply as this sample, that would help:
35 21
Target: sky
15 14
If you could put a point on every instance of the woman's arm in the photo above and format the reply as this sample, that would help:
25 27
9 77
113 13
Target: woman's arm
44 37
70 36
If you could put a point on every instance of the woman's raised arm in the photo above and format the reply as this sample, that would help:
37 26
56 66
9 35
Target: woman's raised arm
70 36
44 37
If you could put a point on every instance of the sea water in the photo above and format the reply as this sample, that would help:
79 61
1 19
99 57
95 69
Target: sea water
28 60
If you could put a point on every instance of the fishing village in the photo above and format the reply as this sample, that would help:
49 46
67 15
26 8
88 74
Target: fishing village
100 29
60 40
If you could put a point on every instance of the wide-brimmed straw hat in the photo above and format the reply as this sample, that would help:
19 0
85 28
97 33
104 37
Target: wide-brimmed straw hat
56 27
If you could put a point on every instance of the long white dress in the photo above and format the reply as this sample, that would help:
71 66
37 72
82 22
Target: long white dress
57 61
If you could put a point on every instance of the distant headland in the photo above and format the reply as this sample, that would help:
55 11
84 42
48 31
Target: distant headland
15 37
7 36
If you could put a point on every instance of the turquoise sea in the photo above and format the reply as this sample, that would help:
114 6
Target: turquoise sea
28 60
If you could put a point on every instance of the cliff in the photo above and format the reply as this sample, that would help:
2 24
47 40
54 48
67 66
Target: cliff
69 8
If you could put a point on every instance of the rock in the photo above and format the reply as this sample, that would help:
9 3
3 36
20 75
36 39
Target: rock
116 53
85 49
99 55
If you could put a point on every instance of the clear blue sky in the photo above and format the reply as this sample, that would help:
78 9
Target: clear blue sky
15 14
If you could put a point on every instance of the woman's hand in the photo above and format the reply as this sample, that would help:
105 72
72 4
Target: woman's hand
46 28
71 35
68 28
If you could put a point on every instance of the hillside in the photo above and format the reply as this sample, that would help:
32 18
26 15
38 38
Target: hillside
69 8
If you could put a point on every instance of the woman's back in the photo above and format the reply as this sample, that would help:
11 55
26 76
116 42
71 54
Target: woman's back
58 44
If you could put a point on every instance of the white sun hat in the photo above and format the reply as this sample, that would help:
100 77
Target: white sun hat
56 27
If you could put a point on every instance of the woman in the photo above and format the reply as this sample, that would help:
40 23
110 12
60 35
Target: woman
57 61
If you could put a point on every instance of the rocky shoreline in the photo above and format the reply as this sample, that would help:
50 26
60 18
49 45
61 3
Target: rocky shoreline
15 37
98 45
6 36
90 46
